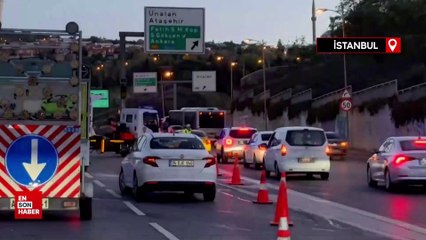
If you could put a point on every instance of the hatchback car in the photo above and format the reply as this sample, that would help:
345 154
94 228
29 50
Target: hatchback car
254 151
232 142
169 162
298 150
398 161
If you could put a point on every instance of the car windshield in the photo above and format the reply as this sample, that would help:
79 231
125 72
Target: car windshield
199 134
411 145
176 143
305 137
241 133
332 136
266 137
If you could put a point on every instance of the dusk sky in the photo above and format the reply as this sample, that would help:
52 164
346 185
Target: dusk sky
226 20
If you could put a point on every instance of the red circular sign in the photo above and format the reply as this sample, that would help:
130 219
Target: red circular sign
346 104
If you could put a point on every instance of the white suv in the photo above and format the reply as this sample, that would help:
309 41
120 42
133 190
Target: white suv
298 150
232 143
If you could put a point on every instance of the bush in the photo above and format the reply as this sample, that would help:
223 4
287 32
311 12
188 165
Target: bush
324 113
404 113
241 105
294 110
375 105
277 109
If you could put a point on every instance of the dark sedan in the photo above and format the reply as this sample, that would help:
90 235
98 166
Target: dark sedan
337 144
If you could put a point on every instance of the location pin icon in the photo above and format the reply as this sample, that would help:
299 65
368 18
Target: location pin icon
392 44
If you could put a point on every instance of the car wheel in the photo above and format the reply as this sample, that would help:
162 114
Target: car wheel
370 181
246 164
389 185
209 194
277 171
257 165
121 183
137 191
324 176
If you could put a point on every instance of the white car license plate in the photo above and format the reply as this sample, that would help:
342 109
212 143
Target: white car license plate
306 160
181 163
45 203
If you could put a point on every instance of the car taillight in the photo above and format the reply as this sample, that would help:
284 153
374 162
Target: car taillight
420 142
344 144
400 159
229 141
262 148
210 161
152 161
328 150
207 141
283 150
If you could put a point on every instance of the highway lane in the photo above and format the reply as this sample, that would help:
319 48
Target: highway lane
347 185
231 216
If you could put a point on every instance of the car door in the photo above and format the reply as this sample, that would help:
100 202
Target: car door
131 158
273 149
380 162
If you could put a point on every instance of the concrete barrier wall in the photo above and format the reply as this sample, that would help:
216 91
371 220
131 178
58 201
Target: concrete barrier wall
365 131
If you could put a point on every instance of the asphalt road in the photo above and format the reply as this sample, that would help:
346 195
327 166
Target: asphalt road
347 185
173 216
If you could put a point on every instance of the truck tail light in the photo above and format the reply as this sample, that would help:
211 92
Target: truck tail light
210 161
151 160
283 150
344 145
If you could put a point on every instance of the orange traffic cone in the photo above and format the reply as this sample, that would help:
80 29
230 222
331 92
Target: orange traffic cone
263 194
218 174
283 231
282 203
236 176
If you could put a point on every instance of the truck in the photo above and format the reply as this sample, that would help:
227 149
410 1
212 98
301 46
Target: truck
44 119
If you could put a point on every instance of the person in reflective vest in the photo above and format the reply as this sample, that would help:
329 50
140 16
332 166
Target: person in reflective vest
187 129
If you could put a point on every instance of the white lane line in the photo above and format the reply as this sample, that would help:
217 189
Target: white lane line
99 183
227 194
163 231
114 194
88 175
134 208
244 200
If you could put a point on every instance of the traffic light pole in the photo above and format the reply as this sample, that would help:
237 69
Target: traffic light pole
122 61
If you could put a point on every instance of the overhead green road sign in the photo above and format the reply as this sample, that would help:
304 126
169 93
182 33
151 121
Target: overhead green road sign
171 30
145 82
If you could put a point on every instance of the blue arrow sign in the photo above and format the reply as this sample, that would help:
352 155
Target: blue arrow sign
31 160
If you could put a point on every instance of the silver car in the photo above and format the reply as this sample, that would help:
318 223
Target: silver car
399 160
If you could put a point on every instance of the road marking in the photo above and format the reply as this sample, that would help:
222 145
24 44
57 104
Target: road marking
332 210
244 200
99 183
232 228
88 175
323 229
163 231
114 194
227 194
134 208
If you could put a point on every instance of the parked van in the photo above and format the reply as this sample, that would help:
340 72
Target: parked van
298 150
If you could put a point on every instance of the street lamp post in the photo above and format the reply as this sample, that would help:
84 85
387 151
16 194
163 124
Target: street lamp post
232 65
345 76
167 75
265 110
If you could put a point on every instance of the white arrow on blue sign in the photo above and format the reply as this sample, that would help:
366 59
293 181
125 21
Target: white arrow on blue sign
31 160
